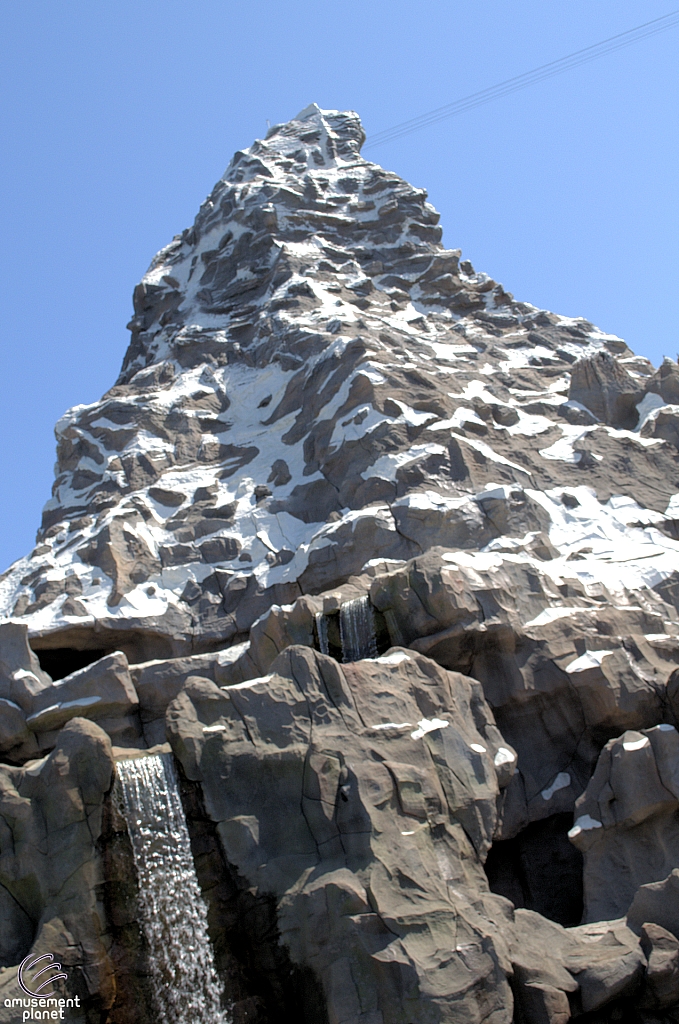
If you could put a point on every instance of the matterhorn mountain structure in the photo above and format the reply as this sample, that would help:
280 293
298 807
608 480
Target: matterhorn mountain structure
366 577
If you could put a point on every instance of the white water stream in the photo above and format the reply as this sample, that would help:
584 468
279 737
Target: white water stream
357 630
184 981
322 630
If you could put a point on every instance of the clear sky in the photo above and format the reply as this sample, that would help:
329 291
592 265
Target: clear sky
118 117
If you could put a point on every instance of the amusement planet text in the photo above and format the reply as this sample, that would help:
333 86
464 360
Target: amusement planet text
53 1007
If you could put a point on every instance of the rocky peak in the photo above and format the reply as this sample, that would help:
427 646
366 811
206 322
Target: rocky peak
298 220
313 382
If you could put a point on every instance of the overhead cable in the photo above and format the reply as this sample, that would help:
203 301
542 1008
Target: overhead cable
539 74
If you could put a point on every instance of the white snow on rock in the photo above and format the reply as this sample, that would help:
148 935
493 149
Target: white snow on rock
396 658
561 781
426 725
503 756
585 823
590 659
639 744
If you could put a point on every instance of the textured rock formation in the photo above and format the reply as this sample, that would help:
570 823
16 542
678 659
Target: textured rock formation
627 820
50 867
374 800
391 559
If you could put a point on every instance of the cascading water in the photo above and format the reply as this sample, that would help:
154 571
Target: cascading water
357 630
173 913
322 630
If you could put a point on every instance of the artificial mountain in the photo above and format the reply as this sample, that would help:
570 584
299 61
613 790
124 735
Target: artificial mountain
380 567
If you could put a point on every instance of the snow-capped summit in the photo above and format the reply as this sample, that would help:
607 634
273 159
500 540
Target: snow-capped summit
313 383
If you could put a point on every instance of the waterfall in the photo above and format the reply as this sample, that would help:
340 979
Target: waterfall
322 630
357 630
173 913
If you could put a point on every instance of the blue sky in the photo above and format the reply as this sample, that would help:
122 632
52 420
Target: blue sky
119 117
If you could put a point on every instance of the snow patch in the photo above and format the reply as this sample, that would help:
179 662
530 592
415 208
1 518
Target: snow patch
561 781
588 660
636 744
503 756
393 659
426 725
585 823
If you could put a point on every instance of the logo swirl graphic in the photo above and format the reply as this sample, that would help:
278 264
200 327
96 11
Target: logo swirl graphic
28 964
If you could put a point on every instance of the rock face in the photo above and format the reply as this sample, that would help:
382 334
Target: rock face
391 560
383 784
50 867
627 820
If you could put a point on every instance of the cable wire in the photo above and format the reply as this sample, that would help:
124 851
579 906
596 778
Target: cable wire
539 74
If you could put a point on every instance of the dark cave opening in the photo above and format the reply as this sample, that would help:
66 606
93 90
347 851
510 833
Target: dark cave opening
540 869
59 662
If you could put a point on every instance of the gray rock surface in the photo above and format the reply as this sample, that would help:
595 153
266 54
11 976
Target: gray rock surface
663 424
102 690
157 683
601 384
562 972
657 902
665 382
21 678
16 739
313 382
50 866
627 820
662 974
392 559
370 790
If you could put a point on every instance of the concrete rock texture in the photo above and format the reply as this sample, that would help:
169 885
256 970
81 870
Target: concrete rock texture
331 434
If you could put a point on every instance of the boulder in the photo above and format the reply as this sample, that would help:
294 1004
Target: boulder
665 382
616 690
607 962
627 820
158 682
102 691
663 424
656 902
661 949
562 972
603 385
21 678
428 520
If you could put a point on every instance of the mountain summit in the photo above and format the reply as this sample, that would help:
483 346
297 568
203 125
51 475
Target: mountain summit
312 381
390 559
